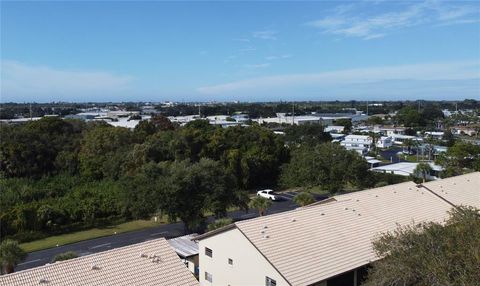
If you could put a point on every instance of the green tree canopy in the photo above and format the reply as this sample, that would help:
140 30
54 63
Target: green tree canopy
328 165
347 123
103 151
304 199
306 134
430 253
261 204
423 170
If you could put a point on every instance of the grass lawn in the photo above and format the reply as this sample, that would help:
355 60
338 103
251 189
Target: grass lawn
68 238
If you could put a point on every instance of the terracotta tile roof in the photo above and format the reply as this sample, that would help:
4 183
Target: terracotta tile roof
130 265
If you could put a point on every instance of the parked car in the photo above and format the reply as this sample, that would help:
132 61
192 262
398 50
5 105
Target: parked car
268 194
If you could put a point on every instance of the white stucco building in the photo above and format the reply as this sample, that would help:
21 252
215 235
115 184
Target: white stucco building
384 142
328 243
358 143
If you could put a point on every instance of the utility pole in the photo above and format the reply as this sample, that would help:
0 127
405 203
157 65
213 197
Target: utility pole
293 114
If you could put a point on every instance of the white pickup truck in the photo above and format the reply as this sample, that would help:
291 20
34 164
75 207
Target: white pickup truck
268 194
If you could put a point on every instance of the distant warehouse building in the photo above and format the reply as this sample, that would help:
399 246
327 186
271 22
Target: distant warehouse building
328 243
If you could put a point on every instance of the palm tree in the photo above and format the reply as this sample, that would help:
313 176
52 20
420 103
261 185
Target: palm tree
423 169
260 203
10 255
375 137
304 199
408 143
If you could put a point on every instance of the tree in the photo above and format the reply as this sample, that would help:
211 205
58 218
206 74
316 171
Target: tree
461 157
375 120
347 123
103 151
328 165
449 138
408 143
10 255
375 137
64 256
423 170
162 123
218 223
306 134
409 116
252 155
188 190
261 204
304 199
31 149
430 253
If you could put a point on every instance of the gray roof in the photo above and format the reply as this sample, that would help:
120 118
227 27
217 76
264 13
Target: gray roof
184 245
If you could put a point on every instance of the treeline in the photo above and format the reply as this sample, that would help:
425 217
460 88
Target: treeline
61 175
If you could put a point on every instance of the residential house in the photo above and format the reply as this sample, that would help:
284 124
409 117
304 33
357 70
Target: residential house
464 130
334 129
400 139
384 142
389 130
328 243
358 143
434 134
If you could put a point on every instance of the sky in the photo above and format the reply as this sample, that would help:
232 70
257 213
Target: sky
247 51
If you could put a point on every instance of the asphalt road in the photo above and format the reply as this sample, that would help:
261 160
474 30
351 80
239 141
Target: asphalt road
86 247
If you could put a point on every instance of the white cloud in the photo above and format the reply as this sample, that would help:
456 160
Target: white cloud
23 82
272 58
248 49
241 40
256 66
351 22
449 71
265 35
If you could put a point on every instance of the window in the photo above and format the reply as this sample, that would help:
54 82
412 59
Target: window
230 261
208 277
208 252
270 282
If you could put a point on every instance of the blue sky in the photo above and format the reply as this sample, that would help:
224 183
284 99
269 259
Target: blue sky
247 51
